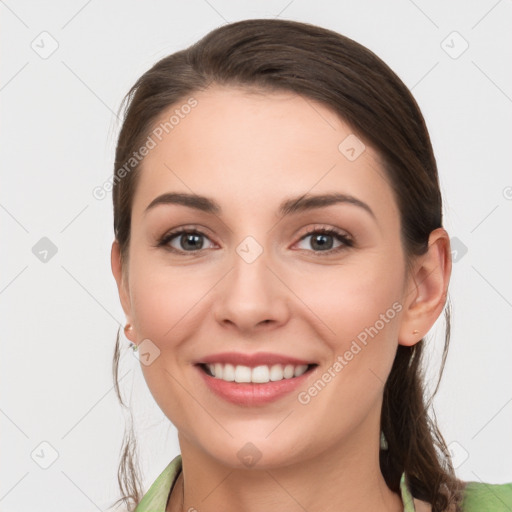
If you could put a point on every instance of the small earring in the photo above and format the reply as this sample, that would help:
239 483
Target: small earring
415 331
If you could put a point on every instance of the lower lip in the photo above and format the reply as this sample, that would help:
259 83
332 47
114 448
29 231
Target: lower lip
251 394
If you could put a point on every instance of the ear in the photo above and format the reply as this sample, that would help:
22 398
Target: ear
122 285
427 288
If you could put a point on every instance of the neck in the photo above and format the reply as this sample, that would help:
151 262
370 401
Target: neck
347 479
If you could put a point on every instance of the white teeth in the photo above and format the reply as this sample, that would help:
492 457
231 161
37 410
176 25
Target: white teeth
259 375
288 371
300 370
228 373
276 372
242 374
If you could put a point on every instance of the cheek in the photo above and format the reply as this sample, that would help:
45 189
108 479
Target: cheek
166 305
164 299
349 298
357 311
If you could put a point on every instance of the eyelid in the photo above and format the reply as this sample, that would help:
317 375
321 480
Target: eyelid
191 228
327 229
347 241
343 236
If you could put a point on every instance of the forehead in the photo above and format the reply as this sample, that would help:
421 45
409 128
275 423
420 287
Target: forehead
239 145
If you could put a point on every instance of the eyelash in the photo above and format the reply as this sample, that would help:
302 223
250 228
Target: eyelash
346 240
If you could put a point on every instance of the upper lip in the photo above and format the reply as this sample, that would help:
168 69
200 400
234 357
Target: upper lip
252 360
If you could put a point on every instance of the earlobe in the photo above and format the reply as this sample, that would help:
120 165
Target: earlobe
128 332
428 287
122 284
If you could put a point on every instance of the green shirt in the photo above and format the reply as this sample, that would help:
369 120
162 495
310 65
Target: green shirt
478 497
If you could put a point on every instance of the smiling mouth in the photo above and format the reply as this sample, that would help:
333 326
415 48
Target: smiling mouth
255 375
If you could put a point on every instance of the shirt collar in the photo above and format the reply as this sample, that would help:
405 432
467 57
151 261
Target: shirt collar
407 498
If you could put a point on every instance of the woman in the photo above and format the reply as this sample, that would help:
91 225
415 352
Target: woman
285 342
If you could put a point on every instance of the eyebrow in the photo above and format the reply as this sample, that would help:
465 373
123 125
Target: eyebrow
290 206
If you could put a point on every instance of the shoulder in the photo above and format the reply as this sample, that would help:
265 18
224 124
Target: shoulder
481 496
476 497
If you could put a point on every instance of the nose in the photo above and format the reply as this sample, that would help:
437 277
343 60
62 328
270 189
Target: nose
253 295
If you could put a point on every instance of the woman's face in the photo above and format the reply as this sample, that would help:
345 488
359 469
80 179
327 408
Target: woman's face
255 277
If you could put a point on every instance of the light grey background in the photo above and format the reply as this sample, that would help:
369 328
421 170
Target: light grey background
60 316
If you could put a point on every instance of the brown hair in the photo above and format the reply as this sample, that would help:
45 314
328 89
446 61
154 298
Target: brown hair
282 55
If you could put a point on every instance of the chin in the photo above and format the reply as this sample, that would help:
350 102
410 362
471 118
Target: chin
256 452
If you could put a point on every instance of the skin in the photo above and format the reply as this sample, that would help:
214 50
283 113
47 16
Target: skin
250 151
